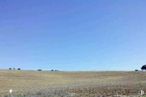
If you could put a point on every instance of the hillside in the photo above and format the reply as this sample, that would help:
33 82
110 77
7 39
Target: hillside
74 82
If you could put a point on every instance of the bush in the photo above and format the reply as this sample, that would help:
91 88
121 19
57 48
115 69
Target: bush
39 70
143 67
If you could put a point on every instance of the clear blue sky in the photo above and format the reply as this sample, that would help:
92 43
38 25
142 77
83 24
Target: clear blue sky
73 34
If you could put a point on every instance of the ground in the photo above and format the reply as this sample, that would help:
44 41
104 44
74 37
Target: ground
72 84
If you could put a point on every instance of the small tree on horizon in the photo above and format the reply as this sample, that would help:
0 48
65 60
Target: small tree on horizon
143 67
39 70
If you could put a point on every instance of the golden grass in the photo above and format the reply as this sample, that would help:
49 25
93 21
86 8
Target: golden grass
21 81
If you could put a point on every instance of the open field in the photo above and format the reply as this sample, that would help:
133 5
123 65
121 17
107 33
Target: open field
72 84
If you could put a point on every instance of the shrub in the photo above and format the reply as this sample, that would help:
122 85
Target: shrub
39 70
143 67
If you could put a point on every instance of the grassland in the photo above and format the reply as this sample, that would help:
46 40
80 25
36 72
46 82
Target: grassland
72 84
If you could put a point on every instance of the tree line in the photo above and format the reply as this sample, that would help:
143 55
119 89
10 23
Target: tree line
37 69
14 68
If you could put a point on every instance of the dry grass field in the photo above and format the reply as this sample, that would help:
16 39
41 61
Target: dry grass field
71 84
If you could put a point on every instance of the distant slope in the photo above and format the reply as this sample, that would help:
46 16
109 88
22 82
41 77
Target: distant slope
32 80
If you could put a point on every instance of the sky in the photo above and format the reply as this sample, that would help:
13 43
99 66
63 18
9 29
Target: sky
73 35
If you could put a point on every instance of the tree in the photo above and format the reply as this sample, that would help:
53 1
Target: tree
39 70
143 67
